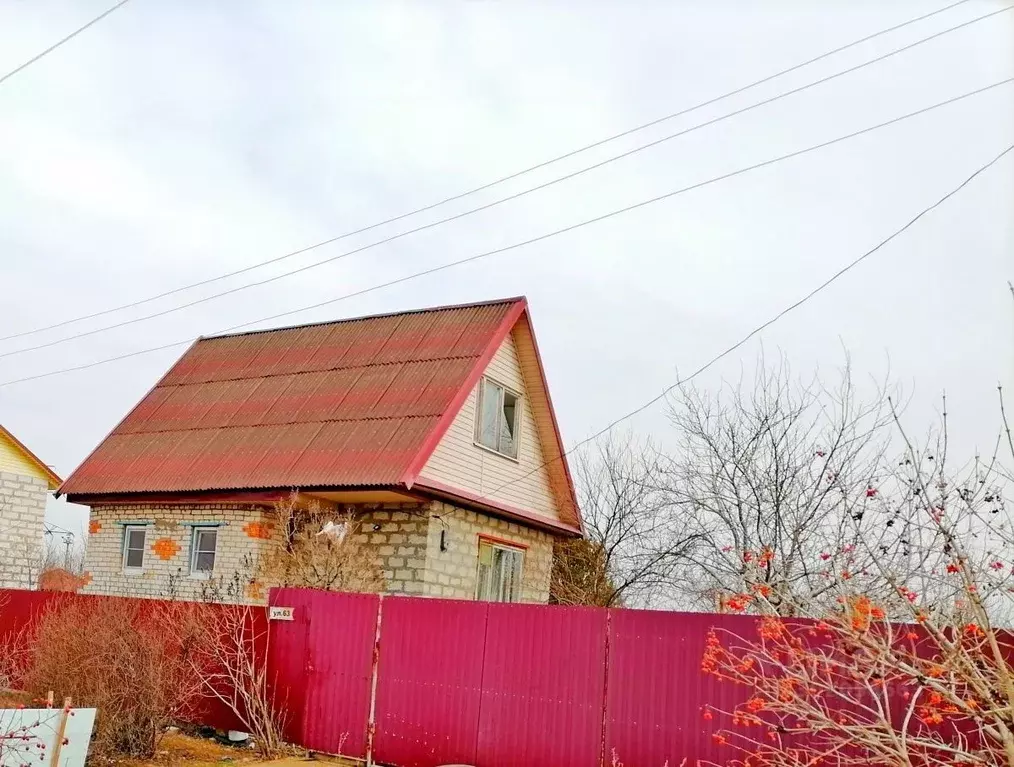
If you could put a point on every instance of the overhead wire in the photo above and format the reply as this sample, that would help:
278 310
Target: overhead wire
494 203
496 182
759 328
4 78
539 238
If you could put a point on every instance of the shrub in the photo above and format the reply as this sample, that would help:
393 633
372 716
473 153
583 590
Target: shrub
128 659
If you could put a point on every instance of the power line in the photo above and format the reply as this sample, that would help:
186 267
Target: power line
57 44
463 214
494 183
539 238
760 328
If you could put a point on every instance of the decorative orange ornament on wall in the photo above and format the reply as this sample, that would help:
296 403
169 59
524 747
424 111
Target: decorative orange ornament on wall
165 548
254 590
94 526
260 530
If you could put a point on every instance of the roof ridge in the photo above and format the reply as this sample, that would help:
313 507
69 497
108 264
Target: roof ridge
382 315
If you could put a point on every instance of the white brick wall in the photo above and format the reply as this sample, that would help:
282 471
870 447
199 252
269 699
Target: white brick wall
22 513
166 573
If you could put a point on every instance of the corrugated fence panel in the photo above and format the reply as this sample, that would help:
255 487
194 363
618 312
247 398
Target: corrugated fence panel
542 686
340 641
287 658
429 679
656 692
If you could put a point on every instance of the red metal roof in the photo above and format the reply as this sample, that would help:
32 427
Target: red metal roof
346 403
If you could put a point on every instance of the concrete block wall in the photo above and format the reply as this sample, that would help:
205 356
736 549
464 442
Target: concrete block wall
22 514
166 573
406 538
453 572
397 532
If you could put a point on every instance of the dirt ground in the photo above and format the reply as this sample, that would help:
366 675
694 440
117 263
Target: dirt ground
180 750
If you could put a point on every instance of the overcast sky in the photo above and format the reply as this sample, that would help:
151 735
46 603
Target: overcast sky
175 141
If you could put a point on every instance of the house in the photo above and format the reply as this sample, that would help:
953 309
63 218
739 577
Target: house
433 427
25 482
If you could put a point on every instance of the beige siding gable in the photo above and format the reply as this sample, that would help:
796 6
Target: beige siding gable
459 462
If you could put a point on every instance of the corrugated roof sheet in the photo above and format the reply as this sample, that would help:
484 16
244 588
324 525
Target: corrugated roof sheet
346 403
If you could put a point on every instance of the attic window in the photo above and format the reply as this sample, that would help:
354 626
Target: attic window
499 418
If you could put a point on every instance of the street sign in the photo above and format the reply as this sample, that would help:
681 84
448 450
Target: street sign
281 613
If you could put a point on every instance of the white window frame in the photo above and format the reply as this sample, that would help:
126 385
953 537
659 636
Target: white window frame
518 410
127 530
195 534
518 551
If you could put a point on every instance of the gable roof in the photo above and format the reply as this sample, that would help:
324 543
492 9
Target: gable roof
46 473
351 403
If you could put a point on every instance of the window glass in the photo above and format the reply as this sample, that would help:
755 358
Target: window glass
133 548
489 414
499 573
508 424
205 542
498 418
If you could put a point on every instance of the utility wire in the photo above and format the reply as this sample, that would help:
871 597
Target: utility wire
760 328
490 184
494 203
539 238
68 38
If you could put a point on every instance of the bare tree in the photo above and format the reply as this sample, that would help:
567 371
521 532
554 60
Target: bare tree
318 548
636 541
773 479
854 686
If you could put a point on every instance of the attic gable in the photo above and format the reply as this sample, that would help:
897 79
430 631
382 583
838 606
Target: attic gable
16 458
536 481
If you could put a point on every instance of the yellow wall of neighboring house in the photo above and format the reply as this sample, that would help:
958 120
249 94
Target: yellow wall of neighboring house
14 461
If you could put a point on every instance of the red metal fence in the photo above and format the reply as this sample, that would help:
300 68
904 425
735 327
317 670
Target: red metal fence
423 682
415 682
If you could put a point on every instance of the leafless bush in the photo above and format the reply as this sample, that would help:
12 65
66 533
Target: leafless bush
319 548
128 659
231 664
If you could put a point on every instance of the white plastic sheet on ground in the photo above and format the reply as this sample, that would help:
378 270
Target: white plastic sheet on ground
29 736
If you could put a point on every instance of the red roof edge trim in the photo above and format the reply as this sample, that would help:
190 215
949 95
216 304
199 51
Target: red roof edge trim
253 497
497 508
54 478
556 427
119 423
431 442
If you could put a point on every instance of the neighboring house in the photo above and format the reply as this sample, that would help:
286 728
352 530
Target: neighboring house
434 427
24 484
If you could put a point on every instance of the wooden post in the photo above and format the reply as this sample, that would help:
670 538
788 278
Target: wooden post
49 699
61 733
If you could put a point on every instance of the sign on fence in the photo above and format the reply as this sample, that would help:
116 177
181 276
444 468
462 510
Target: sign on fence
281 613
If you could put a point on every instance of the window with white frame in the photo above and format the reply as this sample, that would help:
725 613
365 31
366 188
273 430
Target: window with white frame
499 574
133 547
203 546
499 418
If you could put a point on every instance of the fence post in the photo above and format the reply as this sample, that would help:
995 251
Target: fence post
371 725
605 691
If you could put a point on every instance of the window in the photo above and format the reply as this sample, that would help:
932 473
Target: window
202 551
499 418
499 574
133 547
